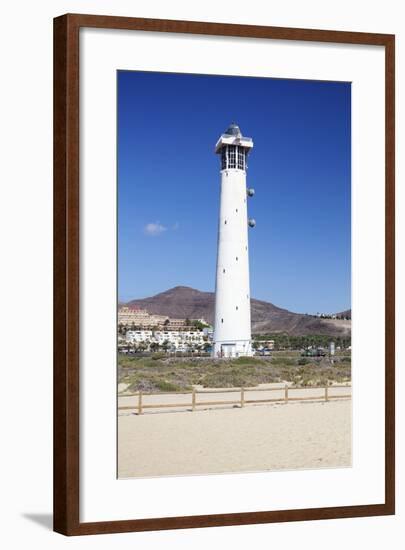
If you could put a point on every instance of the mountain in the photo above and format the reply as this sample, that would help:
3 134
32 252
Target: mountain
185 302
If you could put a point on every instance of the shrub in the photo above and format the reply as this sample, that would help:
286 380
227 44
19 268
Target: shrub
163 385
283 361
224 380
303 361
157 356
246 361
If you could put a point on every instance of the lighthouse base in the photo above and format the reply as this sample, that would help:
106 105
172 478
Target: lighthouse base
229 349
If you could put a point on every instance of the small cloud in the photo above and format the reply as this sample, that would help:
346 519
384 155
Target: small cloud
154 229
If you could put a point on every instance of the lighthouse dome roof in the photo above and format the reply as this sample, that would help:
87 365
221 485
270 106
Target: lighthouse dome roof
233 130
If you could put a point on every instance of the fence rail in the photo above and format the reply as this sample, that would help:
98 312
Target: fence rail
325 395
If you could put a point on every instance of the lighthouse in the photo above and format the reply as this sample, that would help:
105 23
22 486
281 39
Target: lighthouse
232 330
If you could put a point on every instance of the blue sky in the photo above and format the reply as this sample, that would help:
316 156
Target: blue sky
168 185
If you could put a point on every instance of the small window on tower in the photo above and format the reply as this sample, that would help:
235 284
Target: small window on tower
236 258
237 308
225 222
231 156
223 271
223 158
241 158
222 320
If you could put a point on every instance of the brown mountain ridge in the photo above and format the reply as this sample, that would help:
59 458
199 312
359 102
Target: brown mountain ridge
185 302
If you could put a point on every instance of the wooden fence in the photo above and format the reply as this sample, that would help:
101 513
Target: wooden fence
241 401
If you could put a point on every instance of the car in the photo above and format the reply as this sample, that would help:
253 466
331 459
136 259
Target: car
265 351
318 352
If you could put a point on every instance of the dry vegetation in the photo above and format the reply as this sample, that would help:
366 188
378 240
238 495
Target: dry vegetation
164 374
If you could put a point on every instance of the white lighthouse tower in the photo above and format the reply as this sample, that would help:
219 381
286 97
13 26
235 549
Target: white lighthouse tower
232 331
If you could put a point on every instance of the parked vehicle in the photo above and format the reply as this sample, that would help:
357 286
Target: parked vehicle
264 351
313 352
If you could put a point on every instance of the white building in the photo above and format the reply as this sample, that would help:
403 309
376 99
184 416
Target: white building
134 336
232 333
176 339
179 339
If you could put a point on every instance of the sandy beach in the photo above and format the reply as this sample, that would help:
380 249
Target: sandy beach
295 435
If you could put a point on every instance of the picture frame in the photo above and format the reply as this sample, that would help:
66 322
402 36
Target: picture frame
67 284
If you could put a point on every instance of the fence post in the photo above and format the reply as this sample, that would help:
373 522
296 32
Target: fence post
193 400
140 402
326 393
242 397
286 393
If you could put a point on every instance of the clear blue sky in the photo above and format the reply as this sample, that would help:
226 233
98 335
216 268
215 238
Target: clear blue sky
168 185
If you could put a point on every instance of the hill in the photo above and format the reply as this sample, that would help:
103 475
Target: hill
186 302
346 313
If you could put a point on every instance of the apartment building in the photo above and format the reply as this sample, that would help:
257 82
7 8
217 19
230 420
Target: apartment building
179 340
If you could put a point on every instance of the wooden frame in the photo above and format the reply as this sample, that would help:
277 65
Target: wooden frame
66 274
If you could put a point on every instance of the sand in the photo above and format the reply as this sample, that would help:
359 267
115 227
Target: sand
296 435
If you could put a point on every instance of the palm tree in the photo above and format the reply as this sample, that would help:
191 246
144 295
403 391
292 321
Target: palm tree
165 345
146 345
154 346
134 346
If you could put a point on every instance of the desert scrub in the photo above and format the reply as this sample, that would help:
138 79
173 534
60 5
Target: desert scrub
164 385
157 356
155 385
303 361
175 374
227 380
283 361
247 361
286 353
